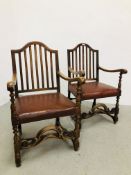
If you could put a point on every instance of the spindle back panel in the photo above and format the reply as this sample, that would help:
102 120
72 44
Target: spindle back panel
36 67
83 57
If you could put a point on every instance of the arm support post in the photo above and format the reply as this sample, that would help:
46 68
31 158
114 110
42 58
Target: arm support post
120 71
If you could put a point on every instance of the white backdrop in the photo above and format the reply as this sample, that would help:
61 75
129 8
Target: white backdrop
61 24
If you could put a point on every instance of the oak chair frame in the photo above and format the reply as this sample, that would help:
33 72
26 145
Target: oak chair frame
85 54
53 131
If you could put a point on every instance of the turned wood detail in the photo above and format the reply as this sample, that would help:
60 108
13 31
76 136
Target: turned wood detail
12 100
48 132
13 107
101 108
17 145
120 79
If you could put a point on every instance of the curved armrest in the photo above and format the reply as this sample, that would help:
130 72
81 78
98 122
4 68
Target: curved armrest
81 72
11 84
79 79
122 71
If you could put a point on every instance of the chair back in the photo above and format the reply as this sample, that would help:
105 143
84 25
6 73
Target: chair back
36 67
85 58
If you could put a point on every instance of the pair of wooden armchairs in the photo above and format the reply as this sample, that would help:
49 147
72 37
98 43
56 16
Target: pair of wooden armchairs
36 69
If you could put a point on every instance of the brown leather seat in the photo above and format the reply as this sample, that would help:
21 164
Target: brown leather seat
95 90
43 106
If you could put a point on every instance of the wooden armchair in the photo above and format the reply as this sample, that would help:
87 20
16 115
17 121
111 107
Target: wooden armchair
84 60
36 69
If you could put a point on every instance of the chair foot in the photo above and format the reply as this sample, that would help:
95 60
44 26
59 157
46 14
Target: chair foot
75 144
17 146
17 157
115 119
18 162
